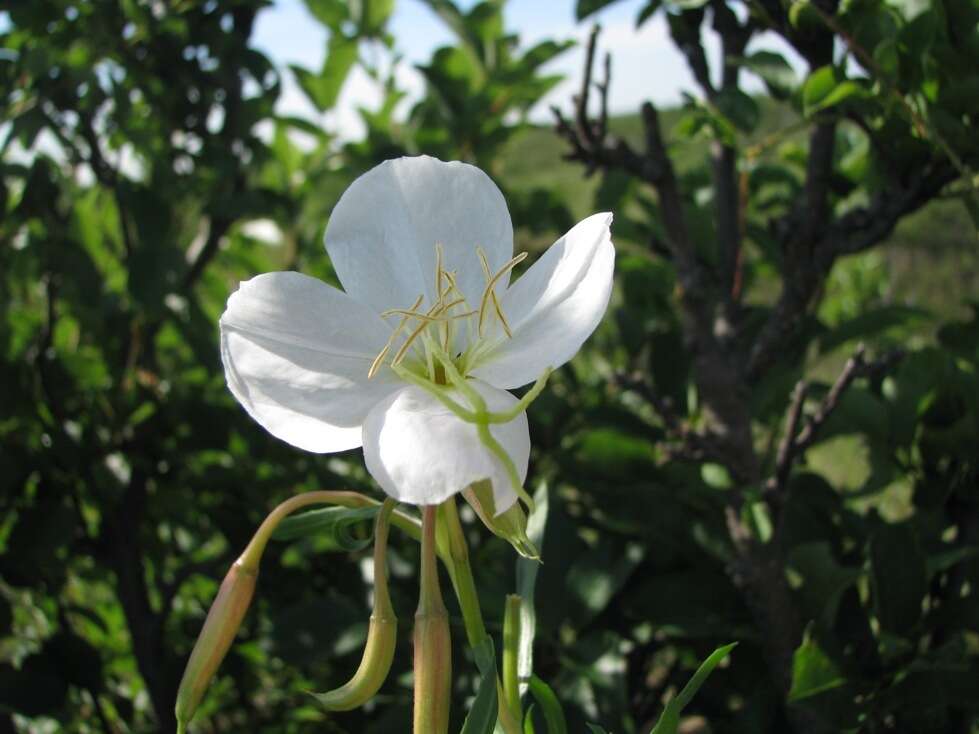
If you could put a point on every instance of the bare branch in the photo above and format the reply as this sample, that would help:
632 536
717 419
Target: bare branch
786 448
794 441
584 127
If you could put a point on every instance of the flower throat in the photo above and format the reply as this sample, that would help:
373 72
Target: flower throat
434 328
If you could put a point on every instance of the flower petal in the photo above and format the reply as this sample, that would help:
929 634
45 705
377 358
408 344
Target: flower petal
421 453
382 233
296 354
554 307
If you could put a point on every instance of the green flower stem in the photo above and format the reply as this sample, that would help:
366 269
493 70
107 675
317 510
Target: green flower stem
432 641
462 578
511 645
465 590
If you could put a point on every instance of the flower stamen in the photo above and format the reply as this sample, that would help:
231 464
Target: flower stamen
379 359
489 294
434 315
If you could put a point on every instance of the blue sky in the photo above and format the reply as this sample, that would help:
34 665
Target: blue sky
645 64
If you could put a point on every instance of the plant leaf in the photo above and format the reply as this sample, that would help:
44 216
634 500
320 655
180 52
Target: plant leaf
481 718
335 522
812 672
549 706
670 719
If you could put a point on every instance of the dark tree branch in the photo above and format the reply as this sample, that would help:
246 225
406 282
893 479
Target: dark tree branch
795 441
855 367
786 448
854 232
716 370
724 158
125 556
819 171
685 31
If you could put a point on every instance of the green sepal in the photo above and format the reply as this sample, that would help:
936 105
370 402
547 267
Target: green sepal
511 525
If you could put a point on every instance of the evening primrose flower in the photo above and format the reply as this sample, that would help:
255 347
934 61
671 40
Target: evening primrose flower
414 358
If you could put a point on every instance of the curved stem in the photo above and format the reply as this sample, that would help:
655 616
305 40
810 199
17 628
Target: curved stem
256 547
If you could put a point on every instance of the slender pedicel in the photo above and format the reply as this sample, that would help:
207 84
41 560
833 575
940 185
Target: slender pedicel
381 635
233 599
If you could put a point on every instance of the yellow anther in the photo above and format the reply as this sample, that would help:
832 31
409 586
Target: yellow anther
379 359
489 294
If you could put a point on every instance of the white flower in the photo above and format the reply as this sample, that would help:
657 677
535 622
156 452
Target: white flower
413 359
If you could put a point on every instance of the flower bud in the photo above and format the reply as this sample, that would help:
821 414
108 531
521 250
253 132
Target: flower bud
511 525
432 641
382 634
220 627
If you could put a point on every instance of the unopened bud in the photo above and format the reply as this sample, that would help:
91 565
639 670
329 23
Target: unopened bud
511 524
432 641
220 628
382 635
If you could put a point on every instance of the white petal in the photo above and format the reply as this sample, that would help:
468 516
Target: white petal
422 453
555 306
382 233
296 354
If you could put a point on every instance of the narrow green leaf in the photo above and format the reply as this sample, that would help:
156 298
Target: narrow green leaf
481 718
596 729
705 669
549 706
528 721
670 719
